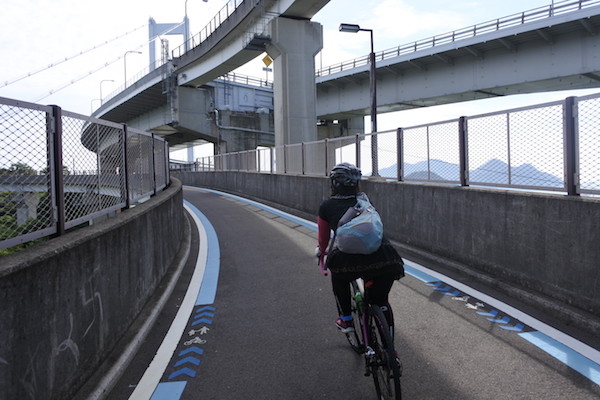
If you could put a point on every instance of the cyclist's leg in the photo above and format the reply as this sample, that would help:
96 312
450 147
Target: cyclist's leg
378 290
342 292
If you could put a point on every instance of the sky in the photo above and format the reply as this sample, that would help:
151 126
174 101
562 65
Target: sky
72 52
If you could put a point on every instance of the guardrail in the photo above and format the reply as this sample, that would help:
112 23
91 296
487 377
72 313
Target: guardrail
536 14
59 169
224 13
244 80
549 147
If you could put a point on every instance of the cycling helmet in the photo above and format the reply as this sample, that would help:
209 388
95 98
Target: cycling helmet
345 174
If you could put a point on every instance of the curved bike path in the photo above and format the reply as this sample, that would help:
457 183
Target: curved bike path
253 318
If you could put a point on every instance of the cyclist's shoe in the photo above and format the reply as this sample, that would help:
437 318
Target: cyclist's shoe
344 326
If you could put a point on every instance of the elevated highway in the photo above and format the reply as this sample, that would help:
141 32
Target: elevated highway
545 49
156 102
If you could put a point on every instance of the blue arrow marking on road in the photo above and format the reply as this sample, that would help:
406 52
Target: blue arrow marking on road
436 284
192 349
188 359
517 328
455 293
492 313
206 308
202 321
204 314
504 320
183 371
444 289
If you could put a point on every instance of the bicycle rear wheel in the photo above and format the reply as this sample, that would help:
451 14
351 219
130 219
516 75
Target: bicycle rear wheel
384 366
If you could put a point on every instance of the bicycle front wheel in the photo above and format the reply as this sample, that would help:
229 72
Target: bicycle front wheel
385 368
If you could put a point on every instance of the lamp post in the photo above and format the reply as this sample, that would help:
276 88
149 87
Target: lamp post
373 89
92 105
125 63
101 82
186 27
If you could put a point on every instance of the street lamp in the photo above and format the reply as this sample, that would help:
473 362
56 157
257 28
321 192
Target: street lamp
353 28
92 105
186 27
125 62
101 82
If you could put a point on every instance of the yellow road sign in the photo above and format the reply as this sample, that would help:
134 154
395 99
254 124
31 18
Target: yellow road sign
267 60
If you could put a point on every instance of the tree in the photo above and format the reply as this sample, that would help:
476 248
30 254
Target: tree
18 169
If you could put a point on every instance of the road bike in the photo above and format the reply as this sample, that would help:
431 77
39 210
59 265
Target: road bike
373 338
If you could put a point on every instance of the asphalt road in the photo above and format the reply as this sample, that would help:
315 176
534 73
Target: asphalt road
269 331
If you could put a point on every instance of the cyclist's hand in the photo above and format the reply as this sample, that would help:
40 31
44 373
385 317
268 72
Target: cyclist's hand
321 260
317 252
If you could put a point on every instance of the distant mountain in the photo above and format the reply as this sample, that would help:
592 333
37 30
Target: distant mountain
440 170
494 171
424 176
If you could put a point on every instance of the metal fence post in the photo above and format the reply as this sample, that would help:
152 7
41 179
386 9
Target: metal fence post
462 149
326 156
98 170
357 150
153 167
166 158
400 154
302 155
125 171
55 129
571 143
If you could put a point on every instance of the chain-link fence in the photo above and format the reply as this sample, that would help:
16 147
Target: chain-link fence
548 147
588 143
60 169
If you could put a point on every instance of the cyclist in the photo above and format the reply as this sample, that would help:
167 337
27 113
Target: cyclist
380 268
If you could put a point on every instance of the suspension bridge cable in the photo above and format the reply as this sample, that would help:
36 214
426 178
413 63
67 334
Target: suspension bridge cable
108 63
91 72
56 63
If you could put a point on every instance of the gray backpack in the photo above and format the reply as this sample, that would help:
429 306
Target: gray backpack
360 230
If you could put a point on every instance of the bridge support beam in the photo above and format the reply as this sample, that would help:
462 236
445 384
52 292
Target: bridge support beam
294 45
328 129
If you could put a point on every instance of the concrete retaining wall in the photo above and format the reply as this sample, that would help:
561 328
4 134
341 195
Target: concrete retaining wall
65 303
543 248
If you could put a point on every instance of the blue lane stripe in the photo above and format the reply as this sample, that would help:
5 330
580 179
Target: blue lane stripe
422 276
208 288
206 296
168 390
566 355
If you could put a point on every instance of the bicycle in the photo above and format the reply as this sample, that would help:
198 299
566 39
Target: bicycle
373 338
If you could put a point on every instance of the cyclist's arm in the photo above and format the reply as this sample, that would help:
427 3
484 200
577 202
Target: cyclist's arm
324 234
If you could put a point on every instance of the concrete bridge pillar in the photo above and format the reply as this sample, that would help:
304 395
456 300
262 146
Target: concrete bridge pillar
294 45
